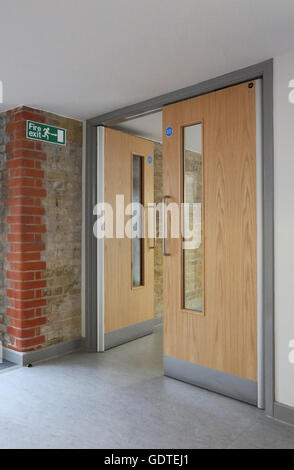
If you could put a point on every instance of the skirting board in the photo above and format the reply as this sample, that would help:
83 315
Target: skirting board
284 413
61 349
130 333
225 384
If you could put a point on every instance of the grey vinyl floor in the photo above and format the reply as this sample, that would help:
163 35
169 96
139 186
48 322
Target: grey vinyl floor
120 399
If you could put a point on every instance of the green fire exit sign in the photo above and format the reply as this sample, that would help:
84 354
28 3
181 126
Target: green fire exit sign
45 133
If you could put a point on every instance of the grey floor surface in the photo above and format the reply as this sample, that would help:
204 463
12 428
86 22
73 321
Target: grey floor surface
120 399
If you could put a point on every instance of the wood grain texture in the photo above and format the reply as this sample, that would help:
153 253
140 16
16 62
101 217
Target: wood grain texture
124 305
225 338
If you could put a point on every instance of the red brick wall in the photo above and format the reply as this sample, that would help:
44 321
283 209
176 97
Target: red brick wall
26 225
40 237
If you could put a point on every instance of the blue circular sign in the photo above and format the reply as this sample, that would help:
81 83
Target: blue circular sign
169 131
149 159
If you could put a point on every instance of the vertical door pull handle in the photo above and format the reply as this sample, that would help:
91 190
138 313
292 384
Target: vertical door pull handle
154 236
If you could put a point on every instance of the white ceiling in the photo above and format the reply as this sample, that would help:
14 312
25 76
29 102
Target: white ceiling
81 58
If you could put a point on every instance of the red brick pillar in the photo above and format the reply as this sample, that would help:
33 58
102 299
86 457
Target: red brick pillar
26 272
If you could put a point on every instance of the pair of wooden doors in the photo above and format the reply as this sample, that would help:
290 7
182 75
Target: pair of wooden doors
210 290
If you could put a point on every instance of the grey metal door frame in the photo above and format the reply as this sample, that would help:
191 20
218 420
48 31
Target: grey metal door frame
263 70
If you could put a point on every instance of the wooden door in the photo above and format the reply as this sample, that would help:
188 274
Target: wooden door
223 336
126 304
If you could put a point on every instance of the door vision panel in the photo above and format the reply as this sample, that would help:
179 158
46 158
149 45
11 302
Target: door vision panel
214 344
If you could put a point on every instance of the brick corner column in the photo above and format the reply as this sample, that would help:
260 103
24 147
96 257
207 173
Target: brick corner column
27 271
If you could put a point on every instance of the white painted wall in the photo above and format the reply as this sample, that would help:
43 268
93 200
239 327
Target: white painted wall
284 227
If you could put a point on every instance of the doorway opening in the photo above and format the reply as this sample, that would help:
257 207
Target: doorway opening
259 71
130 292
210 229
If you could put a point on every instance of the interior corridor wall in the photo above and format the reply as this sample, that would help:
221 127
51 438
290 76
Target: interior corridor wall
41 189
284 228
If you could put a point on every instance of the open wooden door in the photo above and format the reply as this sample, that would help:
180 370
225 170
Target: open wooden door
210 290
128 263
